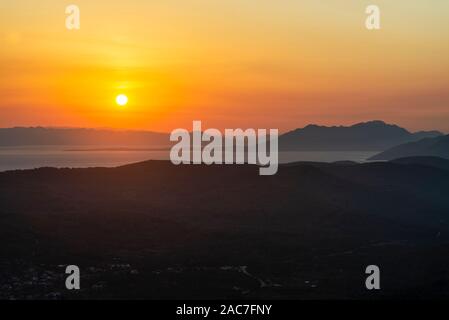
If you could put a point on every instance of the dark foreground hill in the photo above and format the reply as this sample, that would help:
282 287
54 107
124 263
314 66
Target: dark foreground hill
370 136
425 161
428 147
154 230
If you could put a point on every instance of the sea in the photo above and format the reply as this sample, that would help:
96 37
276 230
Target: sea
30 157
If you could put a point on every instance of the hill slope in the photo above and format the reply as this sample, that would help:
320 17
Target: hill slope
154 230
429 147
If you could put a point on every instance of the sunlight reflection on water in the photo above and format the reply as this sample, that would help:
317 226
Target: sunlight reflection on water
12 158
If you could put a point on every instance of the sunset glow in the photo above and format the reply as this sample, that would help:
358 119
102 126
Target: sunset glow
229 63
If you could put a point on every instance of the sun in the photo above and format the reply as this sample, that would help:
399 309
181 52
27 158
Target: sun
121 100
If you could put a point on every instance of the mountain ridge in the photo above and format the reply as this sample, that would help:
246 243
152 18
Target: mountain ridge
373 135
434 147
23 136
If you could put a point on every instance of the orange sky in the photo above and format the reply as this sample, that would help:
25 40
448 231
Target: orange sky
230 63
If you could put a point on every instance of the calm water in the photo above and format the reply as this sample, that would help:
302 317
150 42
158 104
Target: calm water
77 157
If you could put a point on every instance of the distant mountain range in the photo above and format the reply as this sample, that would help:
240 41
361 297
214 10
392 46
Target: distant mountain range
79 136
366 136
433 147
